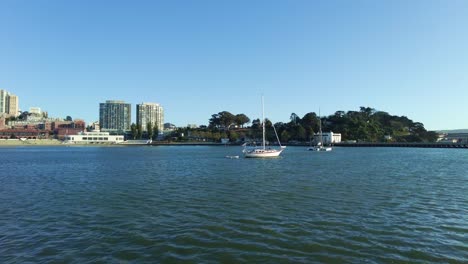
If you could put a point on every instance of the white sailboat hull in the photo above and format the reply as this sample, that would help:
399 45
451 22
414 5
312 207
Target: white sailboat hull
320 148
262 153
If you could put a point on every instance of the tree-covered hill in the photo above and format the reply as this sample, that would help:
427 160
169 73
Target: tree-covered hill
365 125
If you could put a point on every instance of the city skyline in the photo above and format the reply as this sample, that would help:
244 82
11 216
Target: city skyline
199 58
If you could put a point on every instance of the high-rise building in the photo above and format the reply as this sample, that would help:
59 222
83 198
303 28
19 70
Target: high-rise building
8 103
150 113
3 101
12 106
114 116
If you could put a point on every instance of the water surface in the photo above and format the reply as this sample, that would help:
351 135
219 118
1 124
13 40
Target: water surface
191 204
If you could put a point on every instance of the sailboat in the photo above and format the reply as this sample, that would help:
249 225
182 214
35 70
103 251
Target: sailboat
263 151
319 146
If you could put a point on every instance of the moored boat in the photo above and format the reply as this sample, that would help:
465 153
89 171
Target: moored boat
320 147
263 151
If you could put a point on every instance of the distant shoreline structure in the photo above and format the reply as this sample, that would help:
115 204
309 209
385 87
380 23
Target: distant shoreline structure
54 142
403 145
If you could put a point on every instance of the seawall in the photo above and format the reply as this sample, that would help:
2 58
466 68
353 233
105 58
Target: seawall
403 145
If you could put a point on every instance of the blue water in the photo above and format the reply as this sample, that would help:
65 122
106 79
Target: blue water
192 205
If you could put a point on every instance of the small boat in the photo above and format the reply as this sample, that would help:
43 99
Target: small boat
263 151
232 157
320 147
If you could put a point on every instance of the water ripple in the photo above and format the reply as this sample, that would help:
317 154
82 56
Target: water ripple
189 204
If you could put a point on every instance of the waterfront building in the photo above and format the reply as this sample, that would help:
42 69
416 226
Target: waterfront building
328 138
115 116
42 127
150 113
94 137
64 128
461 138
29 133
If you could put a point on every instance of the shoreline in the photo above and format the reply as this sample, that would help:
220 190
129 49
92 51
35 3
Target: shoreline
29 142
56 142
60 143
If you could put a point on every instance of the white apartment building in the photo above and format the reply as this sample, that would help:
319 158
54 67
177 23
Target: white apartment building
150 113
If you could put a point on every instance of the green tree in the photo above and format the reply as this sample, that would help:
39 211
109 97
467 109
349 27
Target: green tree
149 129
340 113
431 136
23 116
294 118
139 131
134 130
155 132
285 136
269 131
222 119
300 133
370 125
310 122
216 136
367 111
215 121
233 136
241 120
256 124
227 119
366 124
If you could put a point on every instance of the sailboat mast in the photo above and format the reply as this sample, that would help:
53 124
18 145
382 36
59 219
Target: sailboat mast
321 138
320 129
263 121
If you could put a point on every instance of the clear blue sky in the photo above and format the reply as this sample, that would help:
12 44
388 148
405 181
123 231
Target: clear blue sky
197 58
